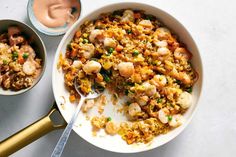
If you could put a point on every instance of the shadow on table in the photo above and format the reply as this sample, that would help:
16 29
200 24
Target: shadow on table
76 146
9 107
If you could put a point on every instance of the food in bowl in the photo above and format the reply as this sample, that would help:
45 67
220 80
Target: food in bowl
19 65
133 55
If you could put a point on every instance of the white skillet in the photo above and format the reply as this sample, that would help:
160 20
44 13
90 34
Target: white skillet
83 127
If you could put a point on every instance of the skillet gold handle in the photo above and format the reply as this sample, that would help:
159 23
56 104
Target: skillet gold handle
32 132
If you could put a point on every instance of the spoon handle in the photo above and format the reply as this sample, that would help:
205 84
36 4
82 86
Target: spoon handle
66 133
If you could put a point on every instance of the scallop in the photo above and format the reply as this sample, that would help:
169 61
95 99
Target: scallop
176 120
77 64
29 68
92 67
185 100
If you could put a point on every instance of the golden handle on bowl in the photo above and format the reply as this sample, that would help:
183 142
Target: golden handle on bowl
31 133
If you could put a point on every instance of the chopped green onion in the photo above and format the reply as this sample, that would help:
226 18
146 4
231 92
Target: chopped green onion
118 13
69 47
107 72
97 27
190 63
106 77
129 84
115 95
178 81
190 89
135 53
126 92
159 100
129 31
15 55
25 55
169 118
150 17
5 62
94 59
98 87
128 103
144 41
110 50
85 41
109 119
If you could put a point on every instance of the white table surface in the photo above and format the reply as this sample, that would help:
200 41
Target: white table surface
212 131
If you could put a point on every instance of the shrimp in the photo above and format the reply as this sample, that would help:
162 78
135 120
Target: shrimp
109 42
92 67
16 40
96 34
159 81
163 115
111 128
182 54
161 43
143 100
87 50
185 78
7 83
128 15
162 33
13 39
150 90
13 30
146 25
176 120
134 109
163 51
185 100
126 69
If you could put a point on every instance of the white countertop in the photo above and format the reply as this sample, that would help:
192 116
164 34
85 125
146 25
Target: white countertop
212 131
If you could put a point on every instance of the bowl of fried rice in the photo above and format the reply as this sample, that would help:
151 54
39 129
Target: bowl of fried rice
22 57
148 66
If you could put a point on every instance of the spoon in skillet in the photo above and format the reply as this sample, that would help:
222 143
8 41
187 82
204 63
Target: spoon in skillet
66 133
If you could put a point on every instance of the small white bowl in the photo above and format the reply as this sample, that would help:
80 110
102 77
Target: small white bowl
42 28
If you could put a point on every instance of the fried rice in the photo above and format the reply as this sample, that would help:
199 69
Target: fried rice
19 64
132 54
